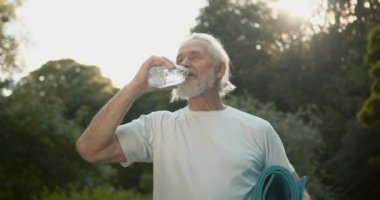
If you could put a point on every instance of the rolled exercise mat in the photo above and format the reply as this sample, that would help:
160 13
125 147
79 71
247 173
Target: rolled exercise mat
278 183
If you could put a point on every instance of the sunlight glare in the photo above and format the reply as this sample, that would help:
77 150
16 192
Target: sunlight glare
297 8
114 35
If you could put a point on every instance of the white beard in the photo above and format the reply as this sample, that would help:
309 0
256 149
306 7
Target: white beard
194 87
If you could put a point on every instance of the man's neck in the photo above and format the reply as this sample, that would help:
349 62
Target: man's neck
207 101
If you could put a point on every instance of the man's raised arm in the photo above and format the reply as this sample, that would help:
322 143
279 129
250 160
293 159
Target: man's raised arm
99 143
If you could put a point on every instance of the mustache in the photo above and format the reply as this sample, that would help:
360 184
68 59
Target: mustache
191 72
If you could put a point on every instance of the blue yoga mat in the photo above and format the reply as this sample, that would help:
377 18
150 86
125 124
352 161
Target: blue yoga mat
278 183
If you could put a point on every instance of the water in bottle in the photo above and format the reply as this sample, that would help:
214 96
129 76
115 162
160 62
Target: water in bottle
161 76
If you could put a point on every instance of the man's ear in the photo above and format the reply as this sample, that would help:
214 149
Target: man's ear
221 70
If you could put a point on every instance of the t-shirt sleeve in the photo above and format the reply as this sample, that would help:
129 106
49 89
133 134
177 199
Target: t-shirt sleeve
274 150
136 140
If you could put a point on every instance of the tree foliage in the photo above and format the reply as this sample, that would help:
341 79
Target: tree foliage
81 89
40 123
360 12
8 44
369 114
96 193
355 168
9 62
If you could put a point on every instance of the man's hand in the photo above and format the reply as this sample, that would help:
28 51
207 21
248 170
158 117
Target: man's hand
306 195
140 82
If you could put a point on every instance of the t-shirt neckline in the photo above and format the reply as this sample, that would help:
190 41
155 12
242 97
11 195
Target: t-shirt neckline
207 113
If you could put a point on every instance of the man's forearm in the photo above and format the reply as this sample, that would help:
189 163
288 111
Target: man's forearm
98 142
101 131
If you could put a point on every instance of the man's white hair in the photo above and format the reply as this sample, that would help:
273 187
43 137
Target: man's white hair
219 56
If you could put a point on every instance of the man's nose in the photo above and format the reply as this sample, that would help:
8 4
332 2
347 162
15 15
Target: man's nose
185 62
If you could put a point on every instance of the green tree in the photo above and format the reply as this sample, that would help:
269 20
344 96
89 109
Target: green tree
355 168
96 193
40 125
359 12
8 45
369 114
82 89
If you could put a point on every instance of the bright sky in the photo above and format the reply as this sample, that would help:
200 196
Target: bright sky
115 35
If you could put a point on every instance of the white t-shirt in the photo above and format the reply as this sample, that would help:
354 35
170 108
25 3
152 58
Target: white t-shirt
202 155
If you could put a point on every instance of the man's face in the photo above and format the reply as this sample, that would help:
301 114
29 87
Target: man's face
195 56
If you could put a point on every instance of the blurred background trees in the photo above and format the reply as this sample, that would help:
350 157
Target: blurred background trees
8 45
310 80
40 122
369 114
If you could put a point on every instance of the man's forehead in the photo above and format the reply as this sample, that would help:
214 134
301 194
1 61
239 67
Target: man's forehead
193 46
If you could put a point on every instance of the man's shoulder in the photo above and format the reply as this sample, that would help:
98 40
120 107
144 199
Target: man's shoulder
165 114
243 115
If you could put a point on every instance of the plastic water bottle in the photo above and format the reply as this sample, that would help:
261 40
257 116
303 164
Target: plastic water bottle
161 76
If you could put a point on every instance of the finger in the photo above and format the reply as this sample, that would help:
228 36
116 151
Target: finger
158 61
168 62
153 61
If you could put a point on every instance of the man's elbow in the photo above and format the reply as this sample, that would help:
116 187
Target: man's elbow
85 152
